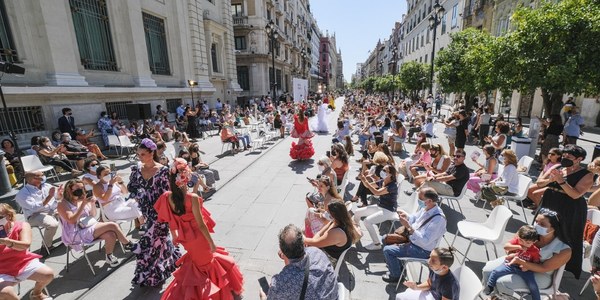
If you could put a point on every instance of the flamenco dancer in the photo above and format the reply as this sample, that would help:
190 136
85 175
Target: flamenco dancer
304 148
205 271
319 124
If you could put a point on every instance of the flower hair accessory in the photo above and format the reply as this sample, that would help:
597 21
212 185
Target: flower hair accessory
182 171
148 143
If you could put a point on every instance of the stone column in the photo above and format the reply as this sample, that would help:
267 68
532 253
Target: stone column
57 30
136 52
233 87
199 49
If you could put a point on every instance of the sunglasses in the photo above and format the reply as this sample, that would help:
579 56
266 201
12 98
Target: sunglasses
458 156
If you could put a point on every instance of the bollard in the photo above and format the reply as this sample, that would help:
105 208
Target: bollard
4 182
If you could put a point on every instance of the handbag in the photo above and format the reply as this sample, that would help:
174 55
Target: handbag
87 221
305 283
401 235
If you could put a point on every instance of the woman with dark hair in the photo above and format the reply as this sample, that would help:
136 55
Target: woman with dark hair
205 271
304 148
12 154
554 129
156 254
554 253
339 162
486 172
317 214
338 235
191 115
499 140
50 155
564 194
535 192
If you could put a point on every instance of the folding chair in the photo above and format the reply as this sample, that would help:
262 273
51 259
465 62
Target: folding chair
127 144
113 142
32 163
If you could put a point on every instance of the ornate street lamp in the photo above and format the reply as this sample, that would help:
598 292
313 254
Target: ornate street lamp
394 63
192 84
272 33
434 20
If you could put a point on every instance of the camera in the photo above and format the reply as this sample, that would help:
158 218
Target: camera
193 180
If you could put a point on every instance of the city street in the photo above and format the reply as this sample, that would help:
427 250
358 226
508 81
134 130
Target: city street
260 193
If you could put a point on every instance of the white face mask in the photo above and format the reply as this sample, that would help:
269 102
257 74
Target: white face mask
438 271
107 178
543 231
3 221
422 204
321 168
93 168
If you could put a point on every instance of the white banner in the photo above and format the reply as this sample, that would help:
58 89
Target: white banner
300 89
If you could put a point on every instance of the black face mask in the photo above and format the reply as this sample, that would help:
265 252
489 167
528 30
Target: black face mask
565 163
78 192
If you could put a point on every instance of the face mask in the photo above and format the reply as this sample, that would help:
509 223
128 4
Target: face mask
48 144
541 230
67 139
383 175
3 221
321 168
501 159
83 132
565 163
421 204
93 168
438 271
78 192
107 178
44 179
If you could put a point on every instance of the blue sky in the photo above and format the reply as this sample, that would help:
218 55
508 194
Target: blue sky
357 25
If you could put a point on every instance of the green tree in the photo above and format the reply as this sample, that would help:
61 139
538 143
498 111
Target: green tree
414 77
368 84
466 65
386 84
556 48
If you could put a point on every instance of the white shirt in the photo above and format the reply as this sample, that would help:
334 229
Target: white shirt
31 200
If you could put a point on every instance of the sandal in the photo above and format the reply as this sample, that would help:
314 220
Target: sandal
354 199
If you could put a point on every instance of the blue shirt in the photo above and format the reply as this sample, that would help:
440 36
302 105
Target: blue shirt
322 281
180 110
573 125
389 201
428 236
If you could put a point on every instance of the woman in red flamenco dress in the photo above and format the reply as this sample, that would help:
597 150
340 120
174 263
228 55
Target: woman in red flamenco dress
304 148
205 271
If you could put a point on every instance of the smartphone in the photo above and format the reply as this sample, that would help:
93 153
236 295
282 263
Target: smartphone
89 193
328 153
3 234
113 174
193 180
264 284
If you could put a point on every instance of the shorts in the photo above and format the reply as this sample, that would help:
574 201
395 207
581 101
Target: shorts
31 267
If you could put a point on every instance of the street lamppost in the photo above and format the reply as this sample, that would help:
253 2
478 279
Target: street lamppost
394 62
272 33
192 84
434 20
303 55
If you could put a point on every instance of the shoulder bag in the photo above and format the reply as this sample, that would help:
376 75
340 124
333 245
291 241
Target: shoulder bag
400 235
305 283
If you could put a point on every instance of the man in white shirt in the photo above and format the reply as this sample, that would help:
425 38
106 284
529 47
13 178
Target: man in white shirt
219 106
38 201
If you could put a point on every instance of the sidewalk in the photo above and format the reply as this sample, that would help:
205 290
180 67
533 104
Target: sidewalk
75 283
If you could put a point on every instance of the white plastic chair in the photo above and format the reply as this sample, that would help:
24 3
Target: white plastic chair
549 291
524 183
404 261
114 142
42 236
84 250
226 146
455 198
32 163
492 230
127 144
526 162
341 291
340 261
594 216
470 285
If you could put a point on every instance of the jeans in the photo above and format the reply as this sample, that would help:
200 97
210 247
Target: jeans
245 140
393 252
527 276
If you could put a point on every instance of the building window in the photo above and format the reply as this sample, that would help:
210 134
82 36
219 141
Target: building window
92 31
240 43
422 39
156 44
236 10
172 105
278 78
22 119
8 52
454 16
119 107
243 77
444 23
214 59
268 14
425 58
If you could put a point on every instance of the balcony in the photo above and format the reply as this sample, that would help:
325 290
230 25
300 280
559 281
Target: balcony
241 21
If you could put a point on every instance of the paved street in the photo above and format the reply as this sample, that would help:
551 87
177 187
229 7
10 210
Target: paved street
260 193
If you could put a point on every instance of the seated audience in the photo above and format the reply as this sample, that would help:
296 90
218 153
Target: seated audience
39 200
339 162
110 192
451 182
50 155
439 164
84 138
506 184
201 167
287 284
486 172
318 214
79 226
229 137
425 228
441 283
17 263
12 161
75 150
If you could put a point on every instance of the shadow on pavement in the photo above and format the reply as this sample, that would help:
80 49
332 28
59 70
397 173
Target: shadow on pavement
299 166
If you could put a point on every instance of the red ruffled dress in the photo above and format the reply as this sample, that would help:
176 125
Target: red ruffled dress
201 274
304 148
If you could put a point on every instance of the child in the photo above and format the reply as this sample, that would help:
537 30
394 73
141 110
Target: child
441 284
522 246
